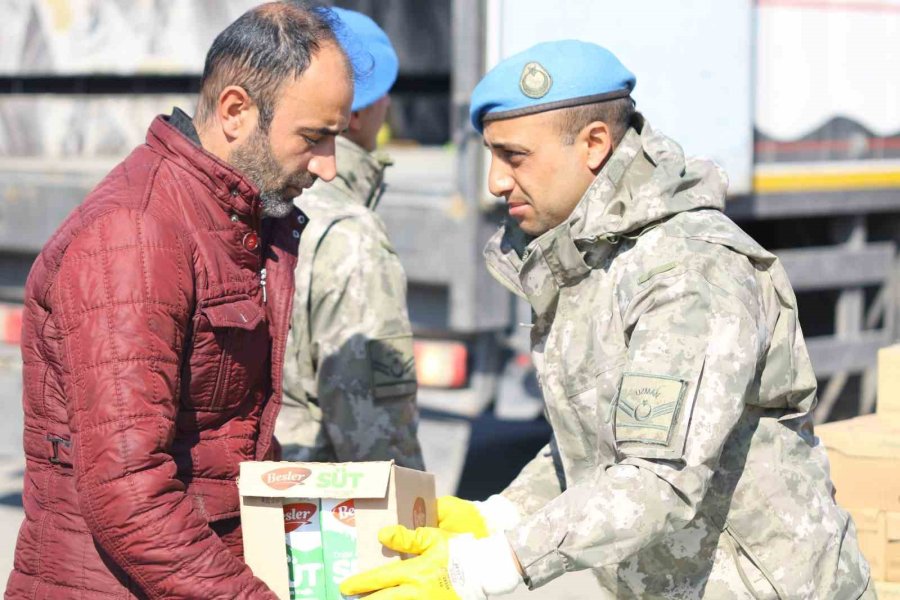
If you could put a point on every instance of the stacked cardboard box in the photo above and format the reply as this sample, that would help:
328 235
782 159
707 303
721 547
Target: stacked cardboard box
865 466
889 384
887 591
879 540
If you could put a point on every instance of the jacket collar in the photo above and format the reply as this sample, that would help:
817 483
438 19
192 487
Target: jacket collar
233 191
360 174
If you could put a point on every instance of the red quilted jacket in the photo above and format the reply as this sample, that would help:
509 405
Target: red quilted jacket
152 368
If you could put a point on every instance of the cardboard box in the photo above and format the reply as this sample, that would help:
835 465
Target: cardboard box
307 526
887 591
888 406
865 462
878 532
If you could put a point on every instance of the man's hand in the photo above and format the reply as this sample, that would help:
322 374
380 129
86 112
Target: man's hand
448 567
456 515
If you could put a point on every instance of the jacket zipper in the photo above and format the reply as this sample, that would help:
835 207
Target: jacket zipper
735 541
262 260
262 284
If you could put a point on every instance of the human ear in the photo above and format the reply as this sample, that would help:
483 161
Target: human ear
355 123
236 112
598 141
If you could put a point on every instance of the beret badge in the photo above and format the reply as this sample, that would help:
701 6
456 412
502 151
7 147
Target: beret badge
535 81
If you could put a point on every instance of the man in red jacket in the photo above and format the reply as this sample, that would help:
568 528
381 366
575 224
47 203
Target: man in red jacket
156 322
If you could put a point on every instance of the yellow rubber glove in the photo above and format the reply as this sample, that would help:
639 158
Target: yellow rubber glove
425 576
456 515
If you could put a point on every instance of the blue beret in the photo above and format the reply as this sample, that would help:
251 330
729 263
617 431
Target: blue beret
549 76
375 64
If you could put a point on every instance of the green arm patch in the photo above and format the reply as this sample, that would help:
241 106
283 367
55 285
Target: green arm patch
656 271
393 366
647 408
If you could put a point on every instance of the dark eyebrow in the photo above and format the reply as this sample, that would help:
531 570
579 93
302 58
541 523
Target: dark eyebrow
506 146
322 130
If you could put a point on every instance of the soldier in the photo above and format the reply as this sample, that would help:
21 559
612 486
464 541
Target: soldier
350 380
683 462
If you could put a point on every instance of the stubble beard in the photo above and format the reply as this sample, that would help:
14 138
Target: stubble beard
256 160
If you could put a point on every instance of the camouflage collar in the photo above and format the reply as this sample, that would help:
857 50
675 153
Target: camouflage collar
645 181
360 174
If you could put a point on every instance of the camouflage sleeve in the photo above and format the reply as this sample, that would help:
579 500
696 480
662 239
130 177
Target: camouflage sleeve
536 484
362 345
691 359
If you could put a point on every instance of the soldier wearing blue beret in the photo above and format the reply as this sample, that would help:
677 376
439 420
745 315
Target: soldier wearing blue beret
683 462
340 403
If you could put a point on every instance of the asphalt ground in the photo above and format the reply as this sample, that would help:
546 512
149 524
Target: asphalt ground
496 451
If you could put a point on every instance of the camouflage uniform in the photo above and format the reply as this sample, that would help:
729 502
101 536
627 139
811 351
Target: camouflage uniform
677 382
350 380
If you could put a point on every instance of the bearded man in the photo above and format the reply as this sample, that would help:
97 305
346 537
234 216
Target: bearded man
155 325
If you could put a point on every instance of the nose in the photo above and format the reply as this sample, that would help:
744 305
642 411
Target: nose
500 182
322 165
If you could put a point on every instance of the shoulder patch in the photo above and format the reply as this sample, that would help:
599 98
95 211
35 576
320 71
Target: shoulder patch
647 408
393 366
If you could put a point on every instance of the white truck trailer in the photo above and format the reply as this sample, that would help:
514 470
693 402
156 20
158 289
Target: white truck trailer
799 100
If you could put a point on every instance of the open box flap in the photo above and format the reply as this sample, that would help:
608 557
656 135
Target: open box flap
314 480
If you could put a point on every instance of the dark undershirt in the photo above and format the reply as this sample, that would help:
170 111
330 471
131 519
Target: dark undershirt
182 122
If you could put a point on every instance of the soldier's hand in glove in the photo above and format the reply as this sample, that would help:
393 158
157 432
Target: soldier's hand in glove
456 515
481 519
447 567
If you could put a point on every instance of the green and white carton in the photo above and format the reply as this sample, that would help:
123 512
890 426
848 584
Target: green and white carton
304 549
338 543
308 526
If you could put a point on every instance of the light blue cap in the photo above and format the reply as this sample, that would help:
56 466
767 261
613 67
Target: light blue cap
549 76
375 64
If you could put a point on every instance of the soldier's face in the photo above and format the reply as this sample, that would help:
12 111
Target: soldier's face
540 177
366 123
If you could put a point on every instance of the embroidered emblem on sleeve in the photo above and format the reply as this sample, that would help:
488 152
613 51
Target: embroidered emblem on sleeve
393 366
647 408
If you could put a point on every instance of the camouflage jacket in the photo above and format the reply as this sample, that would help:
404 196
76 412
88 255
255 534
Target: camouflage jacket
683 462
350 380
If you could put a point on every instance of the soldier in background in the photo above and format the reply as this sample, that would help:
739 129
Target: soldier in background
683 462
350 379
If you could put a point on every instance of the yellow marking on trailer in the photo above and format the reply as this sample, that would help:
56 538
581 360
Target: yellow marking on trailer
800 181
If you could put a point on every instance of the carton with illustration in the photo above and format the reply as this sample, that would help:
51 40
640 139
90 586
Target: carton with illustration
308 526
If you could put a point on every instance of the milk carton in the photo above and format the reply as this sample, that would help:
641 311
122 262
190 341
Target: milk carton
303 544
338 543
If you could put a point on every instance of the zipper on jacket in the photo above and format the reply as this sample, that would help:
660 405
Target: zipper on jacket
734 542
262 284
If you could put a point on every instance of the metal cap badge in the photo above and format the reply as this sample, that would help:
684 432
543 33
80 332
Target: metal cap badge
535 81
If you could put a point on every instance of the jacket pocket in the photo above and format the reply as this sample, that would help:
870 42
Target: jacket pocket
228 355
593 408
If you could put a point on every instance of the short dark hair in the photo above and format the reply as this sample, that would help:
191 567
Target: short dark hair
615 113
265 47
